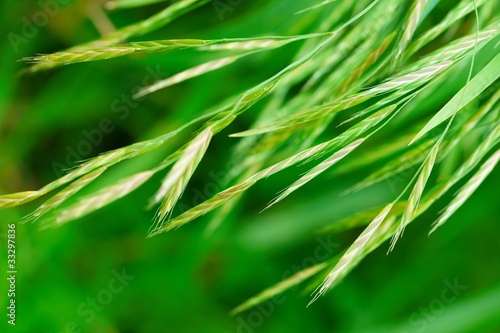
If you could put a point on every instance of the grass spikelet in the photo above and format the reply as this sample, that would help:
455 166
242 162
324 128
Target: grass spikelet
186 75
113 51
20 198
324 3
354 250
317 170
176 180
280 287
419 77
65 194
100 199
106 160
12 200
410 210
467 190
137 29
110 52
409 29
245 45
204 208
120 4
81 56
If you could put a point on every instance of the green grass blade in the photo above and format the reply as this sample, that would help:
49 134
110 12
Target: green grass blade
480 82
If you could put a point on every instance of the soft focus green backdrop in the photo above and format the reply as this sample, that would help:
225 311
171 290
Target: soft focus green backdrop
184 281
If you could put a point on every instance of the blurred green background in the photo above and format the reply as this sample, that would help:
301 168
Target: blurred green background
184 281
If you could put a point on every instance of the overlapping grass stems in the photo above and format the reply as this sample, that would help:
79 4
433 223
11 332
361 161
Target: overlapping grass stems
380 68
